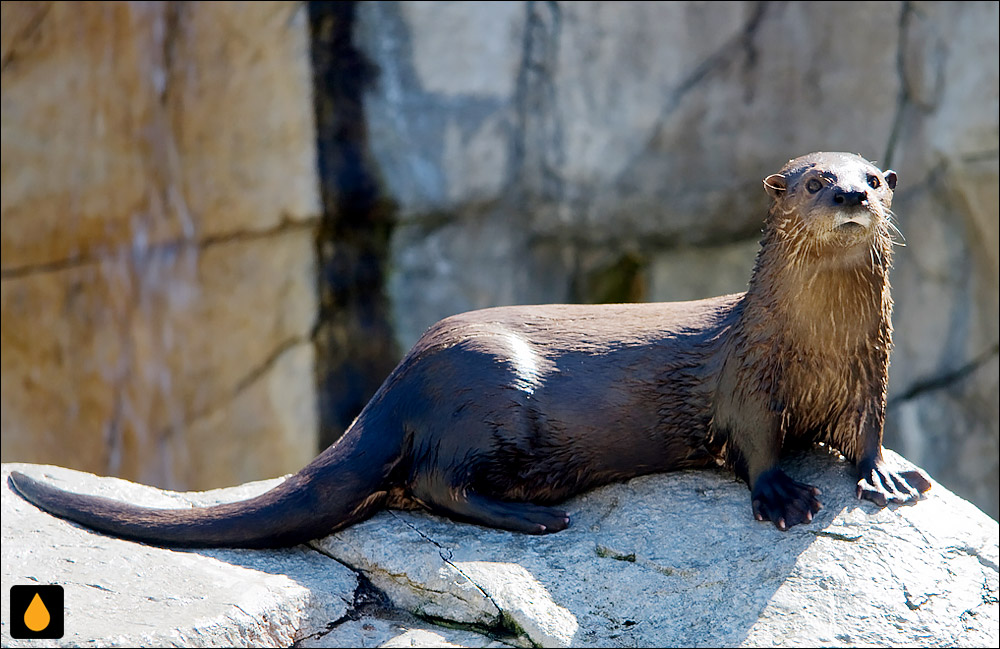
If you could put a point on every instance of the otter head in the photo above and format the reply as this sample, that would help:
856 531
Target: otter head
833 202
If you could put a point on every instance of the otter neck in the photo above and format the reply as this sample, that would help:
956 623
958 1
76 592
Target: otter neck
821 301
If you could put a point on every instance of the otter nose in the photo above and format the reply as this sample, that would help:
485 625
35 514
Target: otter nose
844 197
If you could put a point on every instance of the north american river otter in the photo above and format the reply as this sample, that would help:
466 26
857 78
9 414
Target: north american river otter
494 415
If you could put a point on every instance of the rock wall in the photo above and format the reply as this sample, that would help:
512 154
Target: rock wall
169 201
159 201
550 152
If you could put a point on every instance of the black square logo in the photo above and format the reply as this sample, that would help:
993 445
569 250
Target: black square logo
36 612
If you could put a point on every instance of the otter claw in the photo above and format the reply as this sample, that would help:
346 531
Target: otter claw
882 485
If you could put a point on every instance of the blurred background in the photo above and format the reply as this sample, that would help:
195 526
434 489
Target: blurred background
224 223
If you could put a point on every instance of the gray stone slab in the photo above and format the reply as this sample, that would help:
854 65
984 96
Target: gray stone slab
528 147
666 560
120 593
400 629
677 560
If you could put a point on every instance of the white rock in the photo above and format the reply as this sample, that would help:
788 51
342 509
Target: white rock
677 560
664 560
120 593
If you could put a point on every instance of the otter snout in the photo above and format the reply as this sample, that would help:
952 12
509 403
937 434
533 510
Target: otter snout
848 198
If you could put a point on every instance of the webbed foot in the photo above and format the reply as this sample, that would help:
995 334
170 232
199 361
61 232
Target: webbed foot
527 518
519 517
777 498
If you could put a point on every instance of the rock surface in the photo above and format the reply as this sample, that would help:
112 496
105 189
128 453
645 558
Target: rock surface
678 561
159 195
944 379
668 560
119 593
553 152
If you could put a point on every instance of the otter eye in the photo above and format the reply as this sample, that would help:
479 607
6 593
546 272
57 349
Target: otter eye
873 181
814 185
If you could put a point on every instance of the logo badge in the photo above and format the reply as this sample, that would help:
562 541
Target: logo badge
36 612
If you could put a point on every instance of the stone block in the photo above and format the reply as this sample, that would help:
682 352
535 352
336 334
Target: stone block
159 196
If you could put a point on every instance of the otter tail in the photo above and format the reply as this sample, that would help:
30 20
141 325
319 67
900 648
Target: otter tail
344 485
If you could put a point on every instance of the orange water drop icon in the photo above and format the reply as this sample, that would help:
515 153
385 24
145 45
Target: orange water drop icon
37 616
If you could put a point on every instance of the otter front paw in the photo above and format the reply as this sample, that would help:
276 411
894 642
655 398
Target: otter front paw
777 498
882 485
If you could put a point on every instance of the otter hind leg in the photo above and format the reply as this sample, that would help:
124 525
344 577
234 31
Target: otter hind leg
516 517
777 498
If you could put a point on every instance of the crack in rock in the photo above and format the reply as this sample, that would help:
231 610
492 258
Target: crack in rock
447 559
946 379
970 551
99 254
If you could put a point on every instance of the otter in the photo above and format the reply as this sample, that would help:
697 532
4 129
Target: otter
497 415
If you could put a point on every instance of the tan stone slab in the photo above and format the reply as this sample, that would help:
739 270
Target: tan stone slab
127 124
189 368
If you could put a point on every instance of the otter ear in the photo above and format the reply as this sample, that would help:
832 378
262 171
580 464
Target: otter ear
775 185
890 178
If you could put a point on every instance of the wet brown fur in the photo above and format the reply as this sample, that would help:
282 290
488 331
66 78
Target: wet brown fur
495 415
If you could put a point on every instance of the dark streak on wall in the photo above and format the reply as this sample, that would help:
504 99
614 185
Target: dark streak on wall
355 348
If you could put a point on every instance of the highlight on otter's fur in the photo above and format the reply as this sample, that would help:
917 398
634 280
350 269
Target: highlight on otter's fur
496 415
